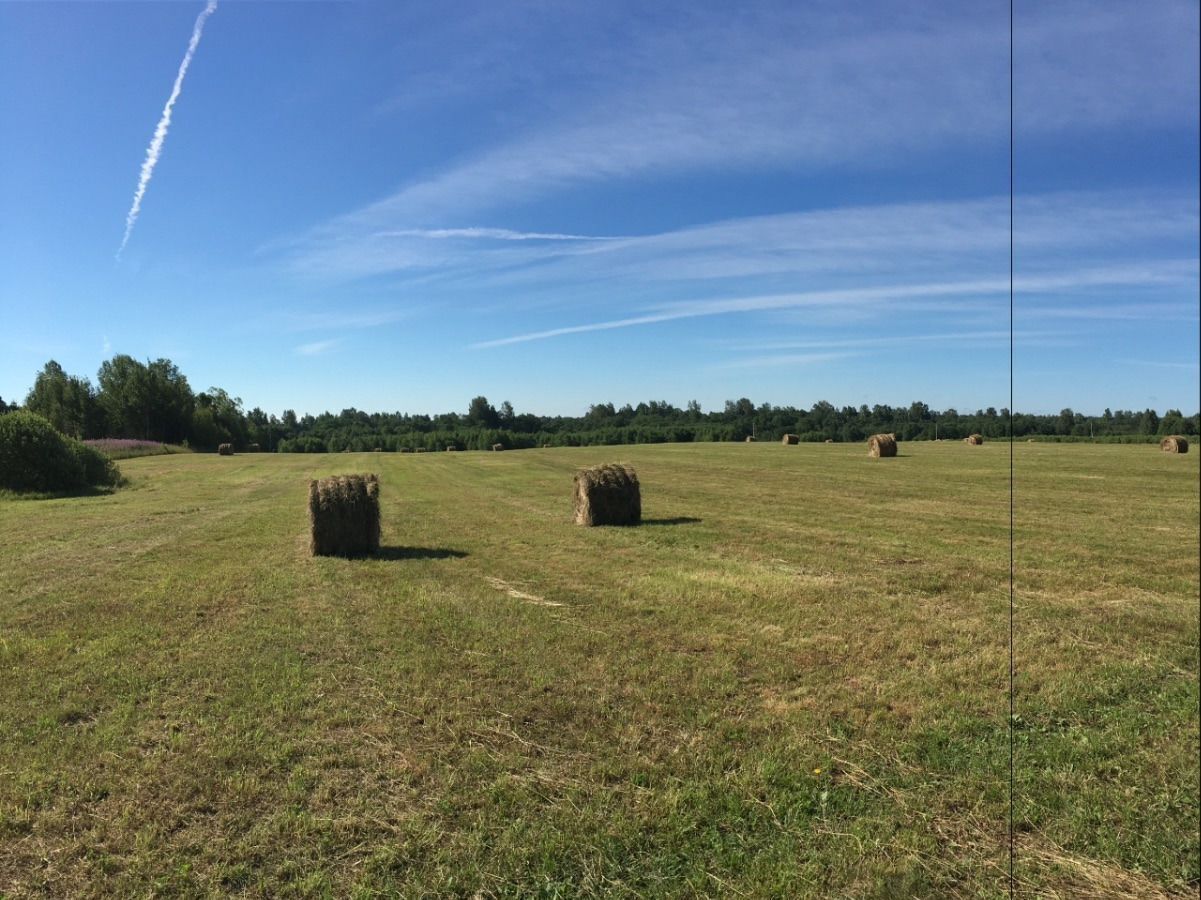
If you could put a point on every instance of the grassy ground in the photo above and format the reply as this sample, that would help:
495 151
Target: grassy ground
790 681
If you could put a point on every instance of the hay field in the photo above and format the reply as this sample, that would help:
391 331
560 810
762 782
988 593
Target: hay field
790 681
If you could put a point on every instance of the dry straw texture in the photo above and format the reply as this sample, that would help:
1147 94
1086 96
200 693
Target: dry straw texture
225 449
1174 443
790 439
607 495
974 439
344 515
879 445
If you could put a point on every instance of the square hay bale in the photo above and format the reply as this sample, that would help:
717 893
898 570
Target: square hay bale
1174 443
344 515
225 449
880 445
607 495
790 439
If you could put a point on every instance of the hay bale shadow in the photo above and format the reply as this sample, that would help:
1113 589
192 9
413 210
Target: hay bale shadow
401 553
674 520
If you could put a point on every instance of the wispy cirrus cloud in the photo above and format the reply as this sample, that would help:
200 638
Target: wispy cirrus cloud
818 89
1160 363
317 348
342 320
494 234
865 241
884 298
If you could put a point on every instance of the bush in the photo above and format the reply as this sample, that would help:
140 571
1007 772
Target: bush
98 469
36 457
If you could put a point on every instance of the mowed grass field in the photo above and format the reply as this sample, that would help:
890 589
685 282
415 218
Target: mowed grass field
791 681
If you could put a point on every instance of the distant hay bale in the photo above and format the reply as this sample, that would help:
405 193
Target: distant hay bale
790 439
974 439
253 448
749 439
406 449
879 445
423 449
378 450
497 447
451 448
344 515
225 449
1174 443
607 495
829 440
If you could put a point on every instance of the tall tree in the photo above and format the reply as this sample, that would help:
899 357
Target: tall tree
151 401
68 402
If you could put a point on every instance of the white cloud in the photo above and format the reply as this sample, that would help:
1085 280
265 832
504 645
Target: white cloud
806 88
886 300
316 348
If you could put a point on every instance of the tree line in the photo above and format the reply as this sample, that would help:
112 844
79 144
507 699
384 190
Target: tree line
153 401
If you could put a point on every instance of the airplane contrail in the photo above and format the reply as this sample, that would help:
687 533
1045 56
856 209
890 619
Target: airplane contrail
164 122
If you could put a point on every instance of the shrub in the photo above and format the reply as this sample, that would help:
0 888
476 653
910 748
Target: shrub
36 457
98 469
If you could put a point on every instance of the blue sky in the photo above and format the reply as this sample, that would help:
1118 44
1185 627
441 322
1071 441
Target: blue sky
400 206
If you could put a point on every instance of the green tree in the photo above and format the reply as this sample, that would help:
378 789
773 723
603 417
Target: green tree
152 400
67 402
482 414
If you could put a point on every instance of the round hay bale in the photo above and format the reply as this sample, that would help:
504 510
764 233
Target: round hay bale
496 448
829 440
749 439
378 450
974 439
607 495
1174 443
344 515
790 439
451 448
881 445
253 448
225 449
